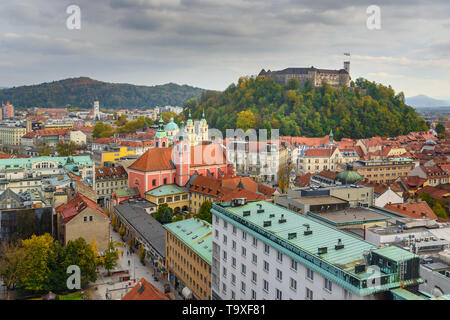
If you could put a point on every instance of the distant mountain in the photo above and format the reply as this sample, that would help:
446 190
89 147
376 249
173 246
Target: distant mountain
82 92
425 101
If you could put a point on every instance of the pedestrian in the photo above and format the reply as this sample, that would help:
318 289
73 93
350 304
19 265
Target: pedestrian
128 262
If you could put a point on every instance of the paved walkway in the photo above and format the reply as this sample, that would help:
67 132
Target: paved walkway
136 271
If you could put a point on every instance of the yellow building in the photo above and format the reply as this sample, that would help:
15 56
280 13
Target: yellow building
11 134
176 197
188 256
113 155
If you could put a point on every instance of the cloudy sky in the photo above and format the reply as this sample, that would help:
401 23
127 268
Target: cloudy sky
211 43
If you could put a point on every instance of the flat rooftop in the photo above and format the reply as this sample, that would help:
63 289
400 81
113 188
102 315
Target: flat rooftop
320 200
350 216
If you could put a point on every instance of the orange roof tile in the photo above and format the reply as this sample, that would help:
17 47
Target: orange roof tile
144 290
417 210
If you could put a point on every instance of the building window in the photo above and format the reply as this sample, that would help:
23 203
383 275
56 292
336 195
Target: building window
293 284
253 294
255 242
266 266
233 262
254 277
243 269
266 249
244 235
154 182
279 256
85 219
309 274
279 275
309 294
224 272
243 286
254 258
244 251
328 285
233 295
91 218
224 239
279 294
225 256
224 288
233 279
293 264
225 224
266 286
234 230
233 245
217 234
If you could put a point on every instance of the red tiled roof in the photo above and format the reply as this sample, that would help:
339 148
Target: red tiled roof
417 210
319 152
110 173
52 132
230 194
143 290
30 135
75 206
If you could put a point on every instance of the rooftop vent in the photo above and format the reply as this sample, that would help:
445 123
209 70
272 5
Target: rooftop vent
246 213
271 215
260 211
339 245
322 250
359 268
292 235
307 231
267 223
282 220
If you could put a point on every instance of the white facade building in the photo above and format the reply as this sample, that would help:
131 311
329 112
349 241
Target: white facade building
265 252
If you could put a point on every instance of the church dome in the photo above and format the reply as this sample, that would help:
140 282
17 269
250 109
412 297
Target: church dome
349 176
171 125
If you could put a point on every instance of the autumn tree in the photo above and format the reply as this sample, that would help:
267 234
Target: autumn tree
246 120
142 254
114 222
66 149
45 150
122 230
284 174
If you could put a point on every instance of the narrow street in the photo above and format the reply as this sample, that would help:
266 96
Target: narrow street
136 271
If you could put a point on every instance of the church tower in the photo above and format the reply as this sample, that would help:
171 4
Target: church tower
182 154
161 137
203 128
190 129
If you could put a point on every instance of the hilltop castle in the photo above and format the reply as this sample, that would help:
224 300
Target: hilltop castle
335 78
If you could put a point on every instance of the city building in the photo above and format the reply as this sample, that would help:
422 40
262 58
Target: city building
109 180
188 256
380 171
83 218
263 251
135 216
175 165
176 197
11 133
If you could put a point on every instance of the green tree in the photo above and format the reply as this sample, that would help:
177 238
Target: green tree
440 128
164 214
142 253
11 255
122 230
45 150
66 149
166 116
439 210
246 120
110 256
205 211
33 271
114 222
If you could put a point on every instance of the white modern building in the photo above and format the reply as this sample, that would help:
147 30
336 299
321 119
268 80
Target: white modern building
265 252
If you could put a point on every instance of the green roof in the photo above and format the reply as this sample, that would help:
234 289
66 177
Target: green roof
395 253
288 236
349 177
166 190
127 192
20 163
196 234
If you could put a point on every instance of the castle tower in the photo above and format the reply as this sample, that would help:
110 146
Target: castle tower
347 63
